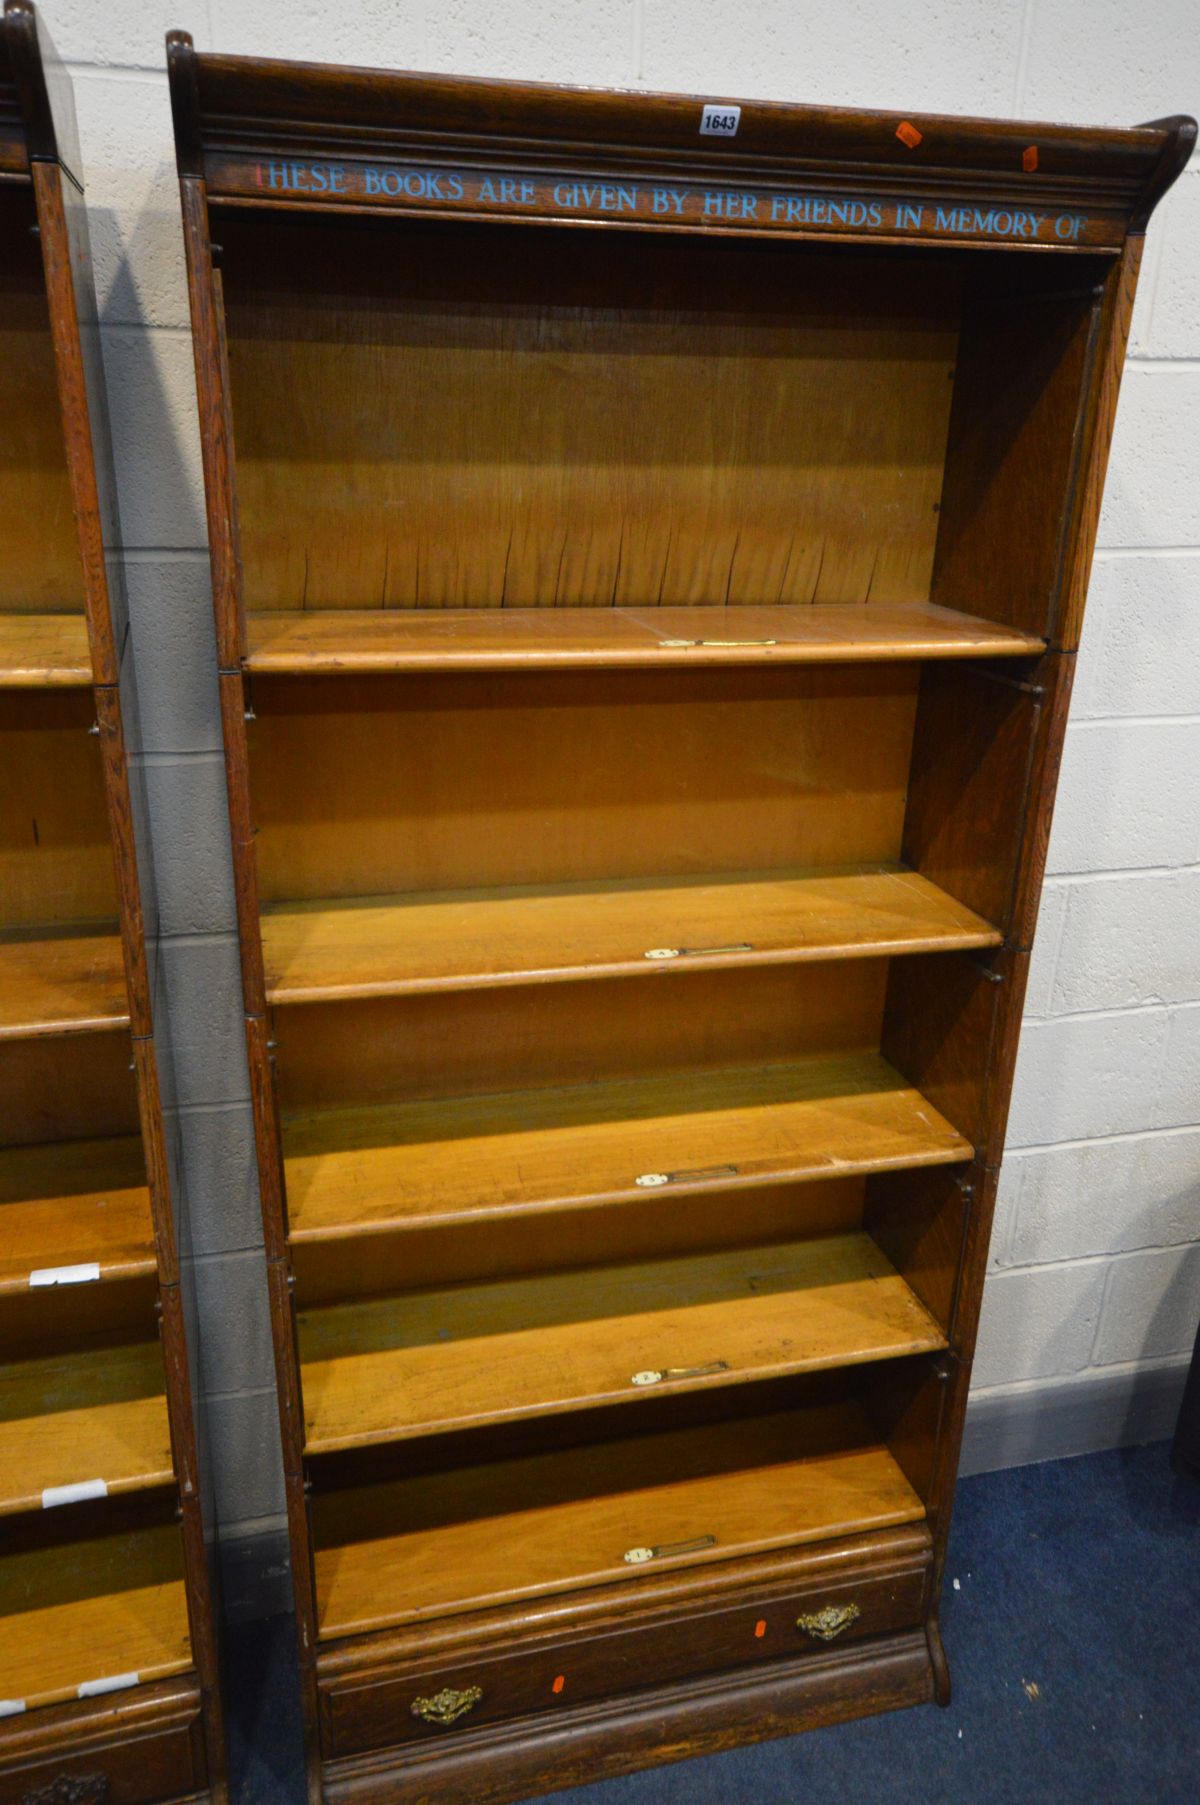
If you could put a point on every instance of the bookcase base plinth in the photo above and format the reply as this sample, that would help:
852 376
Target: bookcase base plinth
647 1728
499 1705
130 1748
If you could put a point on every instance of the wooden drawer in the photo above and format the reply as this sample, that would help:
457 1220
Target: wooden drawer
124 1750
376 1708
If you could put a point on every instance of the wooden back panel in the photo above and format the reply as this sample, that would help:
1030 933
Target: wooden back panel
615 423
40 570
357 1265
466 1042
365 786
65 1088
1017 437
56 858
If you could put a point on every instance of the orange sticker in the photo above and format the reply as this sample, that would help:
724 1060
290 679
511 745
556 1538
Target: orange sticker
559 1683
908 134
760 1629
1029 159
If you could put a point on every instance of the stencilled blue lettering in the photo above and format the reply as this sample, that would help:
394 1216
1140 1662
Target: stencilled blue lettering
301 178
505 190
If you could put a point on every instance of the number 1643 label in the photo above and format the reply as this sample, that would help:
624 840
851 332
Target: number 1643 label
717 121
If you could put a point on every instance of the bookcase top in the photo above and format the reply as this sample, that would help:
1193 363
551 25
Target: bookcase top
37 106
313 135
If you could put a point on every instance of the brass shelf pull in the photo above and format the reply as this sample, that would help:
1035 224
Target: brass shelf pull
446 1706
828 1624
697 952
656 1375
654 1181
637 1557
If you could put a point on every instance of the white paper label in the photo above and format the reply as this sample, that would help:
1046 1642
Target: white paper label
116 1682
85 1274
11 1707
79 1493
720 120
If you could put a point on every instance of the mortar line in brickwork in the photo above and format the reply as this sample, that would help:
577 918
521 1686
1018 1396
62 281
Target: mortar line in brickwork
161 554
1138 720
202 937
1022 68
1147 551
244 1391
150 761
1108 1260
1158 1006
1132 1369
1062 880
118 71
1098 1140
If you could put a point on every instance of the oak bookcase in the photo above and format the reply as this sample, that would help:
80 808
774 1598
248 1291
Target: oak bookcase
108 1685
648 567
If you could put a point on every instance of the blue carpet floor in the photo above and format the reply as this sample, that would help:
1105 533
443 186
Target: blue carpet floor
1073 1635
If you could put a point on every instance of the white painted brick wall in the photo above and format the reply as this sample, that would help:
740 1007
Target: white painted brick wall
1095 1258
1057 1309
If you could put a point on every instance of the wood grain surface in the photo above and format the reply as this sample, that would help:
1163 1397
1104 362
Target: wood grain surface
61 983
71 1201
480 1537
333 640
392 946
40 570
388 1368
599 437
84 1611
44 651
378 784
358 1171
56 858
69 1418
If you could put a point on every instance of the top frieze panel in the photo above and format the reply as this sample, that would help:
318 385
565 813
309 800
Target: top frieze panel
312 135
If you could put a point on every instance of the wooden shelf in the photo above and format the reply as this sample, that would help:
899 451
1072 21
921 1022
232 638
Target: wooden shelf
74 1418
66 982
523 1528
73 1614
387 1368
450 940
329 640
44 651
73 1203
362 1171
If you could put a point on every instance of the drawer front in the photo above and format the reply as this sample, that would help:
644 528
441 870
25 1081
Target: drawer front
378 1710
127 1766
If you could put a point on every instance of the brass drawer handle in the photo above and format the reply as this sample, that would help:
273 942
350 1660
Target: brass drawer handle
827 1624
446 1706
69 1789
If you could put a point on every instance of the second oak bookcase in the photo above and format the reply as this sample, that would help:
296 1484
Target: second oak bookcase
108 1659
647 582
